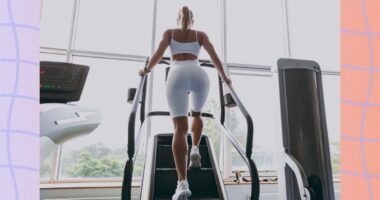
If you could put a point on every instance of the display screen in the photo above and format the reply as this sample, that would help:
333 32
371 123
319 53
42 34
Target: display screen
51 72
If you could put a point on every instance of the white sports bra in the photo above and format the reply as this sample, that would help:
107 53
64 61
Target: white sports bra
185 47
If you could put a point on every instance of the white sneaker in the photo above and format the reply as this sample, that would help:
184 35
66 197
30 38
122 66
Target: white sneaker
182 192
195 158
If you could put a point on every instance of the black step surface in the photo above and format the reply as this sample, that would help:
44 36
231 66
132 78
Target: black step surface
165 156
201 183
167 139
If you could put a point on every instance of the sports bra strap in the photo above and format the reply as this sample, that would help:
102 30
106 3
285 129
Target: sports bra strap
196 35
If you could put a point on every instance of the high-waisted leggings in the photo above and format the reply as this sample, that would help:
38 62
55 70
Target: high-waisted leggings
186 78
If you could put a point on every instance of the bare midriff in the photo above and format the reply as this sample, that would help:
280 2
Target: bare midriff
184 56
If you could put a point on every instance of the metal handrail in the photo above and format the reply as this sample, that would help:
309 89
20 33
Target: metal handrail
128 170
244 111
255 182
132 119
250 128
246 155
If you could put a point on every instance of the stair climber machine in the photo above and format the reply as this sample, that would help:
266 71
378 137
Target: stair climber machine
61 121
159 176
305 171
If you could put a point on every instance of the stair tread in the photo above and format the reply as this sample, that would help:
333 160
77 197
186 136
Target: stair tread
202 182
165 155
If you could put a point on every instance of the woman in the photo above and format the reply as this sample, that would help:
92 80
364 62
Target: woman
185 77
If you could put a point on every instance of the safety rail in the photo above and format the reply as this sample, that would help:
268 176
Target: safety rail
132 141
246 155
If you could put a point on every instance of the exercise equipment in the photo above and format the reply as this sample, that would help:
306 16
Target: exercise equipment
307 163
159 177
60 121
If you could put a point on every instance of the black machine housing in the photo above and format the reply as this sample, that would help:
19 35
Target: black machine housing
304 128
61 82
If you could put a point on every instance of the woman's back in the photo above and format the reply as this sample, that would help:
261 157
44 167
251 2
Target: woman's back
184 45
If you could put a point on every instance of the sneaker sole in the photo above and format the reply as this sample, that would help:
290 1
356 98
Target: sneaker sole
184 195
195 160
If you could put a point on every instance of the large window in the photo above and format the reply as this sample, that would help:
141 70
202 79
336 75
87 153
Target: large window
255 32
331 87
315 36
256 93
103 152
56 22
116 26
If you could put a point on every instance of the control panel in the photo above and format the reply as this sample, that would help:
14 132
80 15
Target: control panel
61 82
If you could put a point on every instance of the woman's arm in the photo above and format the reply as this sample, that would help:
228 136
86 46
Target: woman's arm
214 57
157 55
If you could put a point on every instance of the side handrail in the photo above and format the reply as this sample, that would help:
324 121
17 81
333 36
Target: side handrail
132 119
126 192
246 155
300 175
248 151
132 116
248 118
255 182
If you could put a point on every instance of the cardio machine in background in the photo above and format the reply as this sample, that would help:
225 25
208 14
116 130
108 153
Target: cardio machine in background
61 121
305 165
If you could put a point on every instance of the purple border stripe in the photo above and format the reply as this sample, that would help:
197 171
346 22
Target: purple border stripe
22 180
352 173
29 62
362 104
360 68
21 132
21 26
353 32
358 139
368 95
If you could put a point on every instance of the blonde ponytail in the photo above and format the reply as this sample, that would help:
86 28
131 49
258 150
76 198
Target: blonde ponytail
186 18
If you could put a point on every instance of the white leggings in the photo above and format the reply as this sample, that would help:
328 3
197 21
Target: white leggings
186 77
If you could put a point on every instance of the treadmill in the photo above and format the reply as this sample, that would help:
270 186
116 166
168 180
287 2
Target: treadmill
159 175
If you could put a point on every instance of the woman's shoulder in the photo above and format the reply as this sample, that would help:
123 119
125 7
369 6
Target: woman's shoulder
167 33
170 30
200 32
201 35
